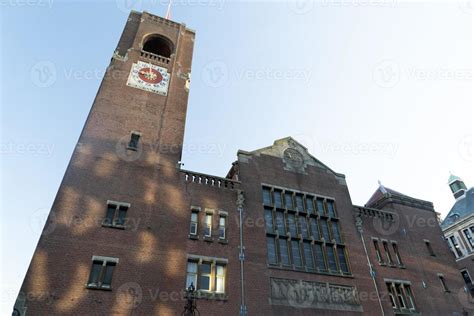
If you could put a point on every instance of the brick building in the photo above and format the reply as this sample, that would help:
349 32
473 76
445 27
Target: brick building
129 229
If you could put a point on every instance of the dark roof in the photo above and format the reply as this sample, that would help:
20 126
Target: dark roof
463 207
383 195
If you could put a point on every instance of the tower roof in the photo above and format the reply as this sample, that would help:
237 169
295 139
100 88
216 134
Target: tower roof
384 195
461 209
453 178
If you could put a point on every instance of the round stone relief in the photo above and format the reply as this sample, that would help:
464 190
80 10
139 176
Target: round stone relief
293 157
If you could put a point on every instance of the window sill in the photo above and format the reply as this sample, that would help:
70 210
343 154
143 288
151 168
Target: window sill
94 287
132 148
193 237
114 226
200 294
223 241
309 270
208 239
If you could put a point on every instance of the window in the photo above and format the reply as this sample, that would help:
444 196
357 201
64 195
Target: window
387 252
299 203
377 251
456 247
401 296
331 210
319 252
336 233
280 221
320 205
133 143
158 45
295 250
269 221
308 255
469 238
191 275
284 257
267 196
291 225
443 282
429 248
101 273
325 229
341 254
288 200
397 254
116 213
331 258
315 229
271 251
277 198
222 226
220 278
193 227
207 275
208 225
466 277
309 205
303 226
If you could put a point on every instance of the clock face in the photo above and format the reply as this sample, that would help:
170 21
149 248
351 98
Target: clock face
293 157
149 77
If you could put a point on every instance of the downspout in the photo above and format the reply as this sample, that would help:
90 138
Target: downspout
372 272
240 208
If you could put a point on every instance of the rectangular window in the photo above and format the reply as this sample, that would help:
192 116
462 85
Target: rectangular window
377 251
466 277
469 238
269 221
303 226
284 256
220 278
391 294
401 296
289 200
336 232
296 254
325 229
191 274
101 272
271 250
280 222
387 252
341 254
443 282
331 209
222 227
331 258
116 214
397 254
193 228
308 255
205 276
133 143
277 199
315 229
299 203
309 205
429 248
267 197
456 247
208 225
321 261
320 205
291 225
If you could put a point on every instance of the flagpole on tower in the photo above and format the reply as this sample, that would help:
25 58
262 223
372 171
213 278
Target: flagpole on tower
168 12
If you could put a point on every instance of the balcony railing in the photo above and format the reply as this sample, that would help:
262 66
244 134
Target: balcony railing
154 57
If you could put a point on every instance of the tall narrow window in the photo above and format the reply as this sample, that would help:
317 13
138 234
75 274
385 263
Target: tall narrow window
400 296
271 250
222 226
309 204
116 214
377 251
208 225
220 278
280 222
443 282
469 238
341 254
429 248
205 276
133 143
397 254
299 203
284 256
391 294
308 255
277 198
267 197
331 209
296 254
456 246
315 229
289 200
269 221
191 274
331 258
325 229
291 225
193 228
336 232
303 226
101 272
319 252
387 252
320 205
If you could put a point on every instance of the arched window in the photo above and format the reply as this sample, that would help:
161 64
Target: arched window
158 45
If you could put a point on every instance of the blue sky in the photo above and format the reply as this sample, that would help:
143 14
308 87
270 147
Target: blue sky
377 90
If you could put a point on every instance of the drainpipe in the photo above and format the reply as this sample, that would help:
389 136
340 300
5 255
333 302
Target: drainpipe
372 272
240 207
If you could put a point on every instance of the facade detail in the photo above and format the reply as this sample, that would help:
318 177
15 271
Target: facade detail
130 230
